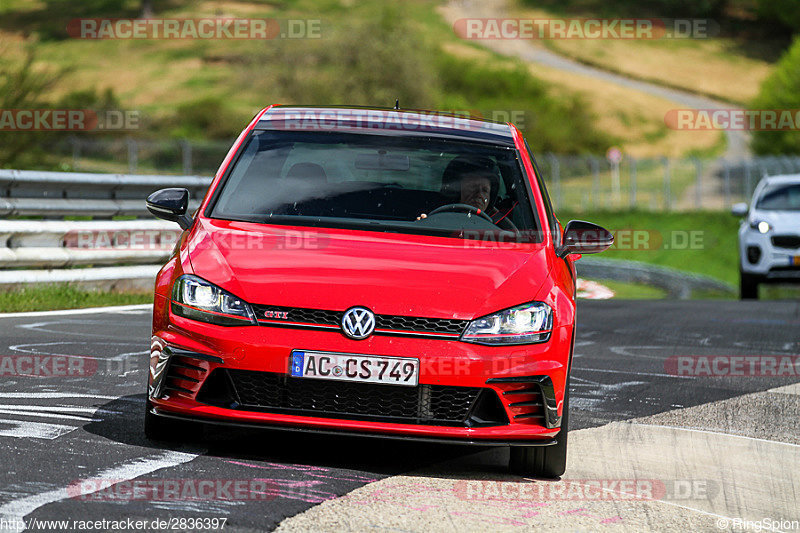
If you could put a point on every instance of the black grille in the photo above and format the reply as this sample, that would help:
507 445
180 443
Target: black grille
299 314
184 374
428 325
786 241
530 398
334 318
425 404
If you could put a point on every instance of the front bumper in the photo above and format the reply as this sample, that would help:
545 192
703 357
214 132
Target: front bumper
774 263
520 388
346 433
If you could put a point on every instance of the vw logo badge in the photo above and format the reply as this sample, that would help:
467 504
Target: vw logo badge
358 323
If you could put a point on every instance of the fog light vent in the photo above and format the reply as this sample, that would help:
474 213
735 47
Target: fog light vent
753 254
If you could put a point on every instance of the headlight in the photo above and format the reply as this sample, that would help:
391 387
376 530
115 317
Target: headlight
762 226
196 298
524 324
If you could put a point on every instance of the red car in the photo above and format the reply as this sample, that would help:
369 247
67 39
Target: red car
375 272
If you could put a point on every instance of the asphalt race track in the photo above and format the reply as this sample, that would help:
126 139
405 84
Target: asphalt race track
632 418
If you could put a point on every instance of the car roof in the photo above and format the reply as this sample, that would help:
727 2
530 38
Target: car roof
386 121
783 178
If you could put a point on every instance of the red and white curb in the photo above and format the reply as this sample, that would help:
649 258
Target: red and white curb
591 290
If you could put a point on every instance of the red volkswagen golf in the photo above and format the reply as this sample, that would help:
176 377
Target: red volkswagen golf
371 272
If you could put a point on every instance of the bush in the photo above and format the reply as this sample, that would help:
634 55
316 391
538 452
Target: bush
207 118
781 13
370 62
781 90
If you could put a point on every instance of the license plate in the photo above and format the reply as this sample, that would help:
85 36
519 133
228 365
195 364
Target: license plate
357 368
794 261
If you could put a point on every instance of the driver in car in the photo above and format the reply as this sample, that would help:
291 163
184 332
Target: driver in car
473 181
476 190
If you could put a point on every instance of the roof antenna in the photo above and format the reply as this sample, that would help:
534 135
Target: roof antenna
397 103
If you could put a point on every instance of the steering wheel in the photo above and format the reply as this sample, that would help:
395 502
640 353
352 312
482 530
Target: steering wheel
461 208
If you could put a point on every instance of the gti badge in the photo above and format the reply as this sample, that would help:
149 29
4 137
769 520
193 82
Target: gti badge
358 323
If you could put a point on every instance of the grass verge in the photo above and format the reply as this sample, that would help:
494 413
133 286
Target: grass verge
701 242
633 291
65 296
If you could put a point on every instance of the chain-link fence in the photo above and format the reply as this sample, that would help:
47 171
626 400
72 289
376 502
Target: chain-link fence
591 183
575 182
136 156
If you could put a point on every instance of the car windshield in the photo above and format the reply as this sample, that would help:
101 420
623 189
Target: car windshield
393 183
780 198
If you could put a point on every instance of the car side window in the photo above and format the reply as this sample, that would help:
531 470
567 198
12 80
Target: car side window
555 227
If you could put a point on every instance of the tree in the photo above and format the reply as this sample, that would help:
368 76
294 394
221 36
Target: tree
21 87
780 91
784 13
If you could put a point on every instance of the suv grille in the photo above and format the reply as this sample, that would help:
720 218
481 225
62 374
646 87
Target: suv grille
786 241
279 393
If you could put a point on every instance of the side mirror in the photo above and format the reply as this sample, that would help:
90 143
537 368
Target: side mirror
171 204
739 210
584 238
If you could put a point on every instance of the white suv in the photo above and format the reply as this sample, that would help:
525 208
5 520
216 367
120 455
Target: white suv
769 236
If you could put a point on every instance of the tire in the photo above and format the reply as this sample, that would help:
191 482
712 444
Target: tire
543 461
161 429
748 286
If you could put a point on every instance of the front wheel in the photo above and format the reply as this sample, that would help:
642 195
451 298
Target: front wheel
543 461
748 286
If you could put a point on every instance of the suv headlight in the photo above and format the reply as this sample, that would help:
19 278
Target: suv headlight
524 324
196 298
761 225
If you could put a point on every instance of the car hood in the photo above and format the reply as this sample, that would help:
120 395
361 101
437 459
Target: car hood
391 274
781 221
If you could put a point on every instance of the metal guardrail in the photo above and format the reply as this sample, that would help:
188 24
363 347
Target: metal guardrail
138 277
44 251
58 244
59 194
